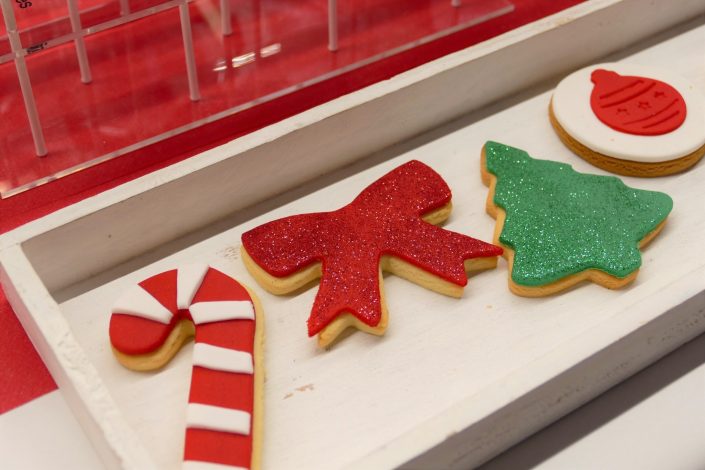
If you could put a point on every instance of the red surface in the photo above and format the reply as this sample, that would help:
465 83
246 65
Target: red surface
636 105
385 219
22 377
210 387
48 19
140 90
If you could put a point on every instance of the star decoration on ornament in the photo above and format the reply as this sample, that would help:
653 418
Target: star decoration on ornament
644 105
560 227
388 227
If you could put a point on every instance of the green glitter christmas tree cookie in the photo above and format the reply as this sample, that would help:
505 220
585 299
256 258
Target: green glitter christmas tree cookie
560 227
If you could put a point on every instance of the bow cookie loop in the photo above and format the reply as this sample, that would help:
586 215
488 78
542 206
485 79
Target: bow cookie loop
391 192
388 227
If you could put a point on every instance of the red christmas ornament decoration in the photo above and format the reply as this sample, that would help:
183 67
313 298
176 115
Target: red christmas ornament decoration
636 105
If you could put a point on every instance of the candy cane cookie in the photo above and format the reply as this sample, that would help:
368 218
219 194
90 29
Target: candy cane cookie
151 322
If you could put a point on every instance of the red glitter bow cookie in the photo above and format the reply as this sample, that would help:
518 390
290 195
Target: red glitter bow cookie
388 227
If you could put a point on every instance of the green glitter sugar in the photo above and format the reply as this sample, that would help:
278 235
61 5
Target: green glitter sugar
560 222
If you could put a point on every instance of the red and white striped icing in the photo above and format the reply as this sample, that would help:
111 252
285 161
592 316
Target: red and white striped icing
219 417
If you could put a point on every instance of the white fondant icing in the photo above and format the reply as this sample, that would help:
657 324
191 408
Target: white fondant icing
216 418
188 280
197 465
140 303
207 312
217 358
571 107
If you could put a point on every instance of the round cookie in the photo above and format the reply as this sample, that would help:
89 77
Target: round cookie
630 119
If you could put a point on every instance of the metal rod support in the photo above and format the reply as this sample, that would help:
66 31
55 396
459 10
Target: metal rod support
192 74
225 18
124 7
23 77
332 25
79 42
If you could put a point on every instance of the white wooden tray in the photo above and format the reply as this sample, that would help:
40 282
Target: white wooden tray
453 382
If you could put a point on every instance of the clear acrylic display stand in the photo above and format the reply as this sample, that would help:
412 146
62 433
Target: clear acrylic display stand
85 81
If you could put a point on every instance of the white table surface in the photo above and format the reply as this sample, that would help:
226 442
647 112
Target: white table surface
654 420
